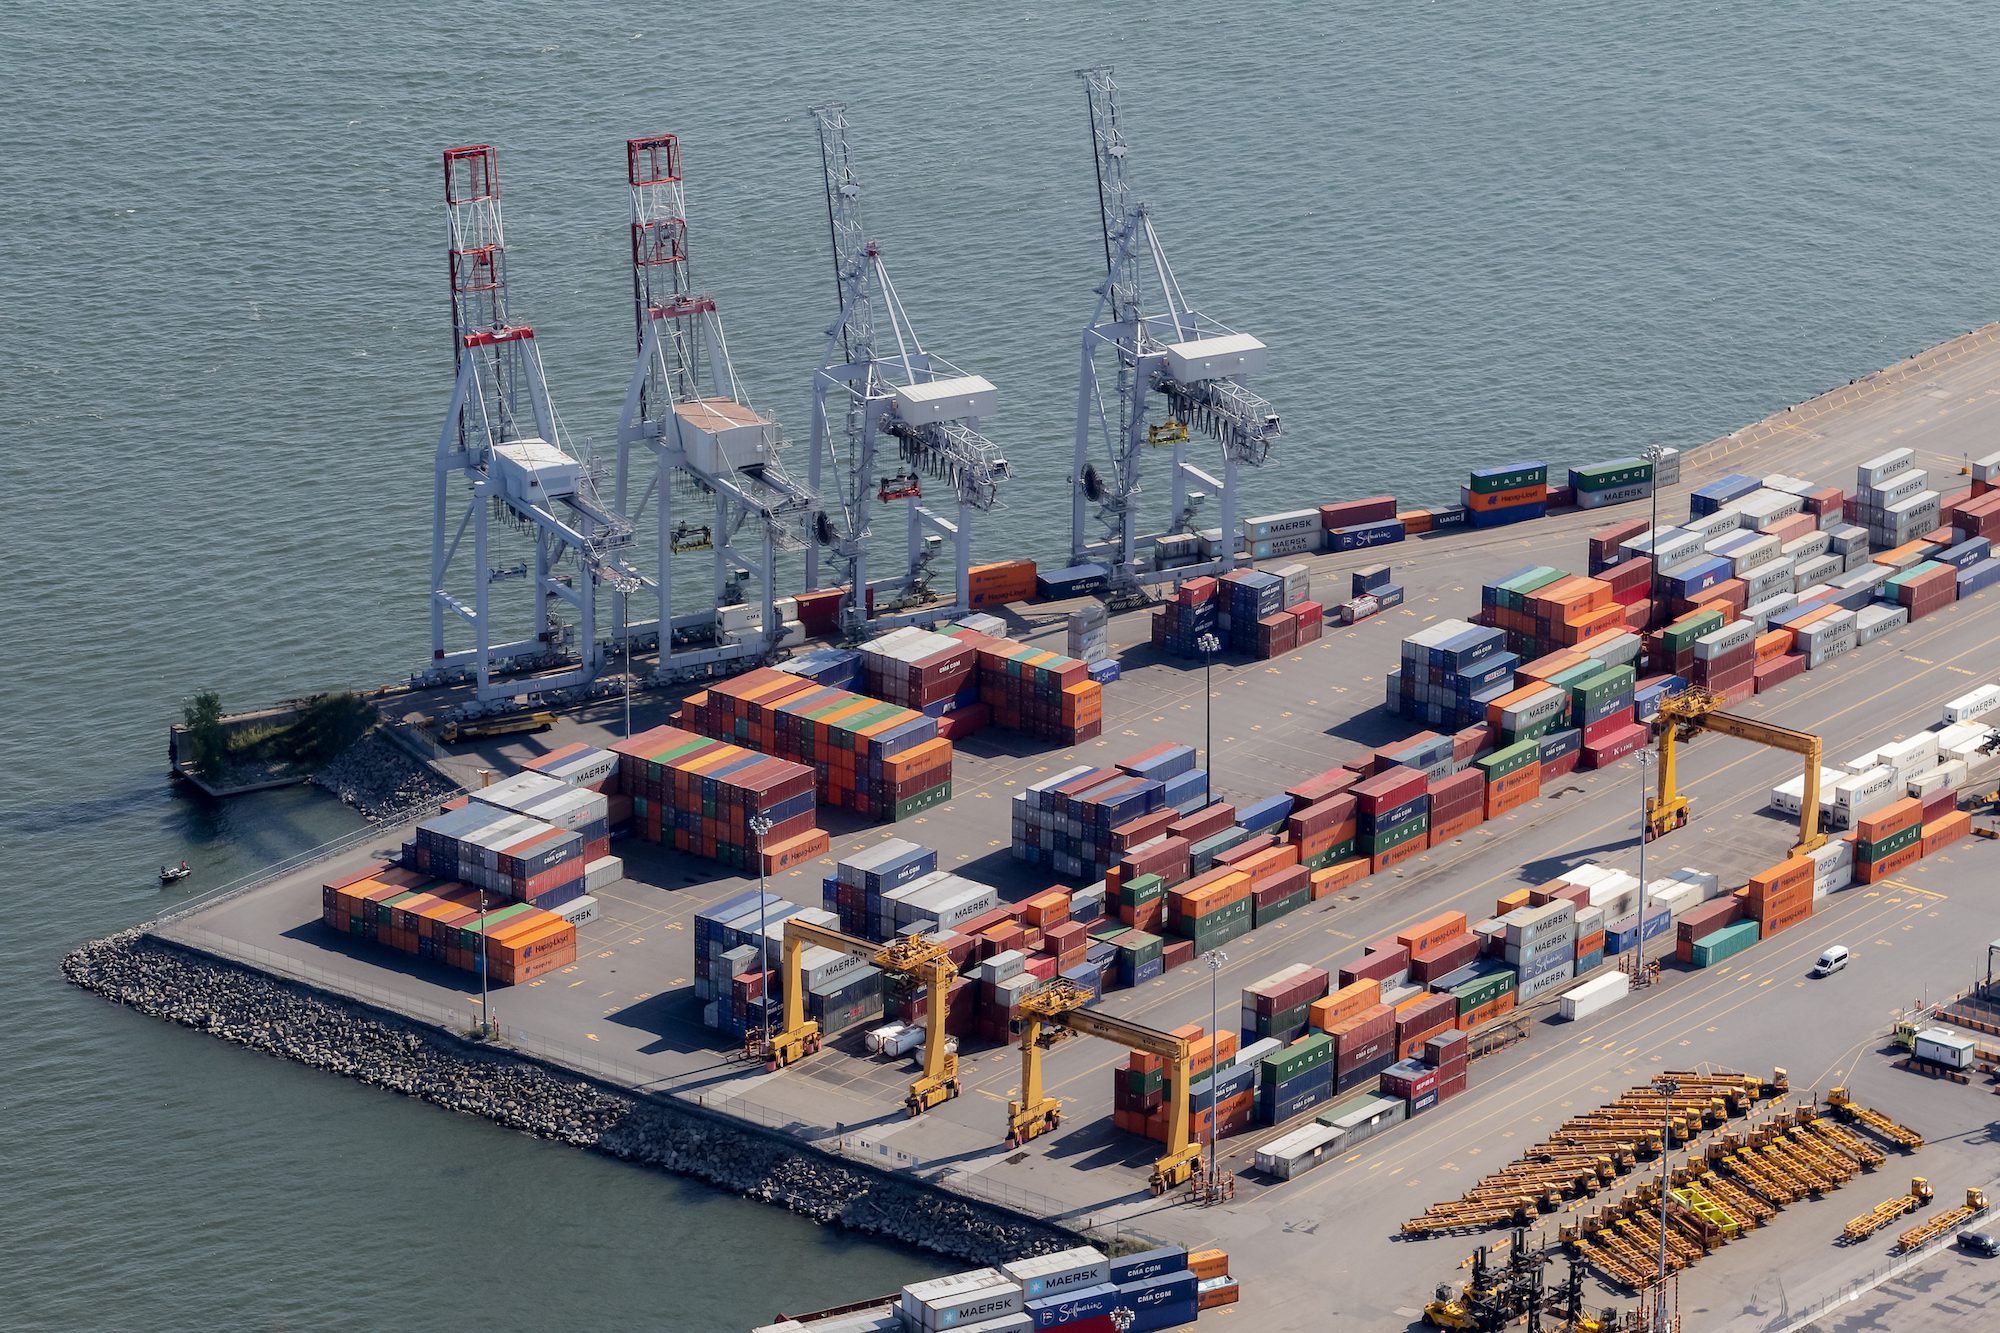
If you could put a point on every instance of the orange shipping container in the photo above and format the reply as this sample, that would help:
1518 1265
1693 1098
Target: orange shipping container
1891 819
1205 1264
1344 1004
1396 856
1425 934
1508 902
1340 875
1772 645
1943 832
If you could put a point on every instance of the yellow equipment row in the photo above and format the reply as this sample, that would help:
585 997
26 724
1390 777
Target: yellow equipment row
1900 1135
1882 1214
1917 1237
1590 1151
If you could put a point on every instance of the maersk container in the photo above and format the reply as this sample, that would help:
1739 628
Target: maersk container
1077 1269
1725 943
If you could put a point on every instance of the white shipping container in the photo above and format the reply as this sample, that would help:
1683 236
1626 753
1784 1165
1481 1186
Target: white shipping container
1864 794
1297 1152
1280 525
603 873
1769 579
965 1307
578 911
1880 468
1976 704
1071 1270
1594 995
1727 639
1544 982
1788 796
1708 527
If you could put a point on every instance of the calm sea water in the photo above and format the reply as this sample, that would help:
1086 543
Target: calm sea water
1469 233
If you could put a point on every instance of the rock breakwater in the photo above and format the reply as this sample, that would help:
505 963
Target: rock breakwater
263 1013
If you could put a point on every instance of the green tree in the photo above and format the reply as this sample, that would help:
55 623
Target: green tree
208 744
329 723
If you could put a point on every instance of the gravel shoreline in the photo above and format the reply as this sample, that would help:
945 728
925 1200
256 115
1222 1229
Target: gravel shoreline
377 778
279 1018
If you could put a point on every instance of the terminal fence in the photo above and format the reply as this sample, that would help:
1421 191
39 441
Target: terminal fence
326 851
1794 1320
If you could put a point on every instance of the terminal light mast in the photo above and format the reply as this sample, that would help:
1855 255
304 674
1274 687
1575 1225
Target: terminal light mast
502 437
1145 339
928 407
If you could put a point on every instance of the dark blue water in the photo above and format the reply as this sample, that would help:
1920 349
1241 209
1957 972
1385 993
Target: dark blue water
1468 232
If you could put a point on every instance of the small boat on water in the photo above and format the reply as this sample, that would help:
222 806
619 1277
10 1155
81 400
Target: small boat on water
174 874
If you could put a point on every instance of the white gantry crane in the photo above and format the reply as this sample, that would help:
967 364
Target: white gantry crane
877 380
501 435
1134 349
719 487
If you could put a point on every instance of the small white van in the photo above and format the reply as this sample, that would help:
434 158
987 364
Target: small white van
1830 962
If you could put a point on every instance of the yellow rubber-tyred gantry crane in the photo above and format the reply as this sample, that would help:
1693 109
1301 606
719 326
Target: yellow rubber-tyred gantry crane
1055 1013
922 961
1683 716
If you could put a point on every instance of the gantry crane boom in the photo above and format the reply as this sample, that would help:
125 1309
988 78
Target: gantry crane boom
718 477
1695 710
504 440
1051 1015
866 389
1151 339
923 961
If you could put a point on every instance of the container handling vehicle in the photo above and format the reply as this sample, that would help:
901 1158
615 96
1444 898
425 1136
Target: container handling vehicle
912 961
1056 1013
1493 1299
1685 715
511 724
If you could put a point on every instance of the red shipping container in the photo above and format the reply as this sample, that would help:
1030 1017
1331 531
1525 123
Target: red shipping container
1597 732
1203 823
1384 966
1317 789
1446 955
1777 671
1347 513
1457 826
1616 746
1387 790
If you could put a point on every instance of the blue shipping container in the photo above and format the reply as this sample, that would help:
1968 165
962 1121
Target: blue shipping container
1378 533
1980 576
1167 1301
1167 1261
1494 518
1268 813
1716 494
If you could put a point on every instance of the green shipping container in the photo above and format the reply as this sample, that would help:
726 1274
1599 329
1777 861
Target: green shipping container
1218 928
1569 678
1889 846
1308 1052
1291 902
1536 730
1513 593
1202 855
1916 571
1508 759
1140 890
1109 934
1388 839
1677 638
1143 1081
1142 945
1515 477
1294 1017
923 800
1339 851
1605 476
1483 991
1725 943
